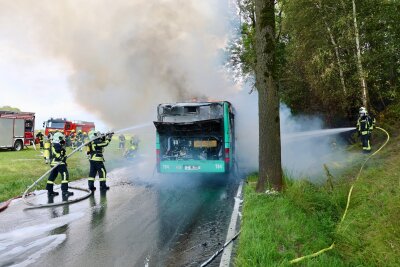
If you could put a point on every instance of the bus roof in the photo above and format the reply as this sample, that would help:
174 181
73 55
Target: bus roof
193 104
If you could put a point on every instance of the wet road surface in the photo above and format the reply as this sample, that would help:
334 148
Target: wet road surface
144 220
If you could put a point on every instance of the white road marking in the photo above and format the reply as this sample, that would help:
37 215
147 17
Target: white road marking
226 256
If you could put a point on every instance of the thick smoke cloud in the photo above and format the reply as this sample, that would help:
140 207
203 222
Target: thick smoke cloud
302 156
127 56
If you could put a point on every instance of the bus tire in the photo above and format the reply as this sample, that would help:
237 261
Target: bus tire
18 145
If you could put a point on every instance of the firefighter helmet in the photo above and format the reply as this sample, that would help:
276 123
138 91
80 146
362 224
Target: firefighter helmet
58 137
362 111
92 135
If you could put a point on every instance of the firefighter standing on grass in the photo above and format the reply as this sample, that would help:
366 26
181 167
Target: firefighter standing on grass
365 125
95 153
58 158
40 137
72 137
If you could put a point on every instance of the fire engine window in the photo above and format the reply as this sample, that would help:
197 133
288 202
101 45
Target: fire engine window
56 125
28 125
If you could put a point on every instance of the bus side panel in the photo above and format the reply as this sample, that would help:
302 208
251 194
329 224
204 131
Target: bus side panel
227 138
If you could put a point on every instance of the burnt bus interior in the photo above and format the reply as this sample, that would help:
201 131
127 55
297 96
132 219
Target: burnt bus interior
191 131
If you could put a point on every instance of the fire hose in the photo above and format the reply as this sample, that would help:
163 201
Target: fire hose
88 192
347 204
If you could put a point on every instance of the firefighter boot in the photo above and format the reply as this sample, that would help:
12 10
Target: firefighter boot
50 192
103 186
64 189
65 197
91 185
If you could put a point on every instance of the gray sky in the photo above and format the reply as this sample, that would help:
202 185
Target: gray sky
34 83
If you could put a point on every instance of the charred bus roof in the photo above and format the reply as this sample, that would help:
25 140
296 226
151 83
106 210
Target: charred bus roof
190 112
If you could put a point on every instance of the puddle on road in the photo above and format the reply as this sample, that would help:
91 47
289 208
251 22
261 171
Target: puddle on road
24 246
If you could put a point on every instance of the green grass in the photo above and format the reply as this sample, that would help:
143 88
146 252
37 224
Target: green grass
19 169
305 218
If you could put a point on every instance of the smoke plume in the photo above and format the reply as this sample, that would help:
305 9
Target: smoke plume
302 155
127 56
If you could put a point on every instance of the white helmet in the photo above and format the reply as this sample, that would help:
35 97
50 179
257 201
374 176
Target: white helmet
57 137
362 111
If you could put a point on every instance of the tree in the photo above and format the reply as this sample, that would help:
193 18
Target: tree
9 108
270 168
364 90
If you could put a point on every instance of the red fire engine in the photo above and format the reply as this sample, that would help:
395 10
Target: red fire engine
66 126
16 129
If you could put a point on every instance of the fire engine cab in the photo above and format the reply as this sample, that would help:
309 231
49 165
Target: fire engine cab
16 129
66 126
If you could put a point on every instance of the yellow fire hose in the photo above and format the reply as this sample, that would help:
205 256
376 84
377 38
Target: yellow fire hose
347 205
88 192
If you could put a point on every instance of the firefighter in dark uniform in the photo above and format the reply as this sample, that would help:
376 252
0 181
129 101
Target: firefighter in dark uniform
79 138
365 125
122 140
96 159
72 137
40 137
58 156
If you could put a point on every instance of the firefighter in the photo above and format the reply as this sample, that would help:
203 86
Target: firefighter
40 137
135 141
58 158
96 159
365 125
72 136
47 147
122 140
85 137
46 151
79 138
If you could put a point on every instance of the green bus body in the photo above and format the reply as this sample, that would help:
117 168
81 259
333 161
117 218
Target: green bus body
195 137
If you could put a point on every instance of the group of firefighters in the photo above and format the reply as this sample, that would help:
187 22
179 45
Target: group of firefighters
72 140
131 151
55 153
54 147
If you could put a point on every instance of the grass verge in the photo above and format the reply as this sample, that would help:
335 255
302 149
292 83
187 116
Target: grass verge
19 169
305 219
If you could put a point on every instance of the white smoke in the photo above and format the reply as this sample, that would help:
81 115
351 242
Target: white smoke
301 157
127 56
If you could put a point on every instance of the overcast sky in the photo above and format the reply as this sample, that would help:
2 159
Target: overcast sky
35 83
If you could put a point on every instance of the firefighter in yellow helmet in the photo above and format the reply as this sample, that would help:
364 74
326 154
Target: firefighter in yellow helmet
96 158
58 158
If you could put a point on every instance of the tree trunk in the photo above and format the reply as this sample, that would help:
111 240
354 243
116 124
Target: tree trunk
335 47
364 90
270 169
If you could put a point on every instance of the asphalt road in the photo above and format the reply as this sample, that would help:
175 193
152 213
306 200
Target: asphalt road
143 220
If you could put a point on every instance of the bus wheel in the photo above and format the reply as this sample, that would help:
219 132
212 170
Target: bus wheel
18 145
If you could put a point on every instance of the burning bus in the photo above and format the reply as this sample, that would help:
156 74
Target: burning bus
195 137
